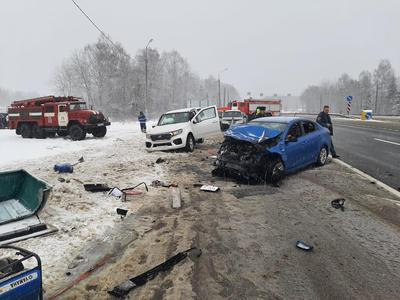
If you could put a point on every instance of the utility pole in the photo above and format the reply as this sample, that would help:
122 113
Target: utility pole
219 85
376 99
146 62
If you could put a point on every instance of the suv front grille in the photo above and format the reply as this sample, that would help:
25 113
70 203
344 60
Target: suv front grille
160 137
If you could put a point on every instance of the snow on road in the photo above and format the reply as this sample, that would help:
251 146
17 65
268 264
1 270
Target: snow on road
13 148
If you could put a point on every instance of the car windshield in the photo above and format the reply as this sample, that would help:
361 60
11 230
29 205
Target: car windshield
174 118
232 114
77 106
271 125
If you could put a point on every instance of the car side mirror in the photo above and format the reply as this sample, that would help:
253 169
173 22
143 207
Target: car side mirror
290 139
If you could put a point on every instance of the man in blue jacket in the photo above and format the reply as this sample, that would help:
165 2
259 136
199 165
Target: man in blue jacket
324 119
142 121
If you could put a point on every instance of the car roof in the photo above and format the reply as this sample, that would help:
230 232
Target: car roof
181 110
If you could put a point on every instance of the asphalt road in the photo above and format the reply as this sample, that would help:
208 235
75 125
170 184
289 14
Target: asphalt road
373 147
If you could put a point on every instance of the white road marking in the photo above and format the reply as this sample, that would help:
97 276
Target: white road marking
370 178
389 142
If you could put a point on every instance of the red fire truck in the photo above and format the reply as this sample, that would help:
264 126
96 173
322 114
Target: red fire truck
45 116
249 106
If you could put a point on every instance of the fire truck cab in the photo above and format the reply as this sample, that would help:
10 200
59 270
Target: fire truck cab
44 117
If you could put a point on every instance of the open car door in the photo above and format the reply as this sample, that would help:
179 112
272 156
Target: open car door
206 122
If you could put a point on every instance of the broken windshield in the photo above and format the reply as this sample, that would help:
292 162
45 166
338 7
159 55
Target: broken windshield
271 125
174 118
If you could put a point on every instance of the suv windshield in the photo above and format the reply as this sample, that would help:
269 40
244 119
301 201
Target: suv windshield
232 114
77 106
174 118
271 125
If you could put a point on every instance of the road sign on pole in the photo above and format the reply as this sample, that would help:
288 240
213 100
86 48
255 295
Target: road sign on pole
349 99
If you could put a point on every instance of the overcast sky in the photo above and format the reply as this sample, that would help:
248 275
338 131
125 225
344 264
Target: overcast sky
269 46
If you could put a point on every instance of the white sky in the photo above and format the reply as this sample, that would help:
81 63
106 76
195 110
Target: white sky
269 46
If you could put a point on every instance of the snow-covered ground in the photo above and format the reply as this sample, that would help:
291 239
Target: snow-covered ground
83 219
13 148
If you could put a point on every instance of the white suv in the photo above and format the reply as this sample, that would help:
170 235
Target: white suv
182 129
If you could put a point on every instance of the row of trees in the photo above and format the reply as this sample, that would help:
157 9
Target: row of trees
379 91
113 81
7 96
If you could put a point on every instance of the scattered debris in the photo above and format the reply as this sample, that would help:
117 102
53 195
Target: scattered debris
96 187
209 188
61 179
63 168
160 160
197 184
158 183
124 193
81 160
338 203
176 197
372 182
116 192
122 212
303 246
124 288
77 180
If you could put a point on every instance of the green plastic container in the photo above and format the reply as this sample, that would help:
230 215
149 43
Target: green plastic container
21 195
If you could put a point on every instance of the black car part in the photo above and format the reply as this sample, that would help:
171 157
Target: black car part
124 288
338 203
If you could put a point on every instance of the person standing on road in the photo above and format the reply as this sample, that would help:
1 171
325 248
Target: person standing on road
142 121
324 119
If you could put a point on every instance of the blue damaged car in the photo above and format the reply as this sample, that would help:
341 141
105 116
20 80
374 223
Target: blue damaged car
265 149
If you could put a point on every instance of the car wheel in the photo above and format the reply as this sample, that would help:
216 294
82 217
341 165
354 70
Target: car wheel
190 143
275 170
100 132
77 133
322 156
26 131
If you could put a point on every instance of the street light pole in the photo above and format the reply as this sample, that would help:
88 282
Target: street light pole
219 85
146 62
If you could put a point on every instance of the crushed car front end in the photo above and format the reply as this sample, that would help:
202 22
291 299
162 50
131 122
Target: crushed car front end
244 154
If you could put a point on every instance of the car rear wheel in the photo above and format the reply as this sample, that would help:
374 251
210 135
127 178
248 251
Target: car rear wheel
77 133
322 156
99 132
275 170
26 131
190 143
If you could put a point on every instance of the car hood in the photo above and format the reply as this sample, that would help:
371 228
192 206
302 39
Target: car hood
251 133
167 128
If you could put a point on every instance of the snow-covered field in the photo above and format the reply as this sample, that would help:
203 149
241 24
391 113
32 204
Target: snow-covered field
83 219
13 148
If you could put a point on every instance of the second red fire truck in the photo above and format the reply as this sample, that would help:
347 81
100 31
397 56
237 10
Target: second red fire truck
249 106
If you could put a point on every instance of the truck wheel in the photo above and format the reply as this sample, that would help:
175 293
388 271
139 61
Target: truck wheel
190 143
99 132
26 131
77 133
38 132
62 133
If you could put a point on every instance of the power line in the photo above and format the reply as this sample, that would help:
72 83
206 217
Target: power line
94 24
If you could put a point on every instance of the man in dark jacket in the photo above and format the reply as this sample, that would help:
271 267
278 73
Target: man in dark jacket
324 119
142 121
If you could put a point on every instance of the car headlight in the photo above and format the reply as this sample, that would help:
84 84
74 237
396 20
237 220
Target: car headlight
148 136
176 132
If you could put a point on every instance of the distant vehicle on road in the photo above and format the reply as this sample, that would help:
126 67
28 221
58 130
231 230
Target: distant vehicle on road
230 117
267 148
249 106
3 120
44 117
182 129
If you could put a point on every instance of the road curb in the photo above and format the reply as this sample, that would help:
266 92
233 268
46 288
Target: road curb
368 177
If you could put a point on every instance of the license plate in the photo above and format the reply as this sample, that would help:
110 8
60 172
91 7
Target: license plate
100 124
